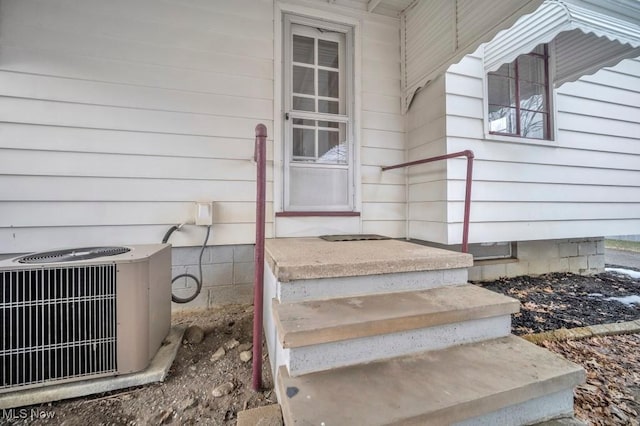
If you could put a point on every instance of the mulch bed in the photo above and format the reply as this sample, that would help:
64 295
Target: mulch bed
554 301
611 394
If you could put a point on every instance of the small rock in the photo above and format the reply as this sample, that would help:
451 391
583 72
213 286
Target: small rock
218 354
245 347
193 334
223 389
193 368
246 356
163 417
188 403
233 343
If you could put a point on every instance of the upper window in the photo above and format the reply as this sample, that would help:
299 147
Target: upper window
519 97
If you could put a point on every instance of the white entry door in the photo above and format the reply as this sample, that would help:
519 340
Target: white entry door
318 166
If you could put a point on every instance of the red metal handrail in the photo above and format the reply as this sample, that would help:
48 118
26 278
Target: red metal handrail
467 195
260 157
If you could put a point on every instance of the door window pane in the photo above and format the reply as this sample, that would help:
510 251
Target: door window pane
319 186
303 80
329 107
328 84
301 122
303 49
326 143
330 124
328 53
304 104
304 144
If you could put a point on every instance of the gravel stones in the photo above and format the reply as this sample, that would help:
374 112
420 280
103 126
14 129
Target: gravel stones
193 335
223 389
233 343
217 355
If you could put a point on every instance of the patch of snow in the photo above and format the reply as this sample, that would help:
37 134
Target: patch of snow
629 272
595 294
634 299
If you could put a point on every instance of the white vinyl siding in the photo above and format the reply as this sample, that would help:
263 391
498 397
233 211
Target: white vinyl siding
117 116
382 134
427 183
584 184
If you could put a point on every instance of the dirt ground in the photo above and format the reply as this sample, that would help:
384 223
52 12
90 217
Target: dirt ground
610 396
186 397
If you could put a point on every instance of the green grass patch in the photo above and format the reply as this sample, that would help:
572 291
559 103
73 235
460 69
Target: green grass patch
622 245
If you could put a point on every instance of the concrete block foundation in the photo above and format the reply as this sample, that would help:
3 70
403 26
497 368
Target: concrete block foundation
227 275
583 256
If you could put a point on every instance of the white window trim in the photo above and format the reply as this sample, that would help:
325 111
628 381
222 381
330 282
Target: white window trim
553 111
323 13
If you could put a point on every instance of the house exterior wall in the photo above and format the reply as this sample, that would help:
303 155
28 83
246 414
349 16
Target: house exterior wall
585 183
118 116
427 183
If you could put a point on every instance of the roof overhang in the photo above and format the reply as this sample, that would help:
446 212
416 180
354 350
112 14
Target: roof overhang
585 36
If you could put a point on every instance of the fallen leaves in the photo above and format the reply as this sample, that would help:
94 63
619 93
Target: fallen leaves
611 394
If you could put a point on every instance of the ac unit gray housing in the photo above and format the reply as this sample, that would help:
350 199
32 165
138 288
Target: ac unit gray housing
142 306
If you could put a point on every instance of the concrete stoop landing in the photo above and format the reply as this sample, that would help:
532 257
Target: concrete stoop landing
389 332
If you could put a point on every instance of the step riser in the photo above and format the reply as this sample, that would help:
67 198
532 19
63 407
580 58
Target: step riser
331 288
547 407
309 359
506 381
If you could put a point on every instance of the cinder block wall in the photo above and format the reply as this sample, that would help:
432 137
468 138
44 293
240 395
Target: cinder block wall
583 256
227 275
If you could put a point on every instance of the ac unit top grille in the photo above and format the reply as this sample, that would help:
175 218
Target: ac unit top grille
68 255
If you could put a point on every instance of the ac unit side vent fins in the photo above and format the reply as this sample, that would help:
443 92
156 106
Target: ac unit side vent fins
56 324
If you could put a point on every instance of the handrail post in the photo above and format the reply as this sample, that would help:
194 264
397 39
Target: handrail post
467 202
260 154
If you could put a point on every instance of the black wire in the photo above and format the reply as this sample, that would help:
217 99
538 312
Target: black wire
168 234
198 280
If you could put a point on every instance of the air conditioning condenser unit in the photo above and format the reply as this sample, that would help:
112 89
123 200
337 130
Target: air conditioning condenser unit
82 313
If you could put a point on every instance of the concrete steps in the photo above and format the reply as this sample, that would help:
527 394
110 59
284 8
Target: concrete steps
505 381
384 332
326 334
